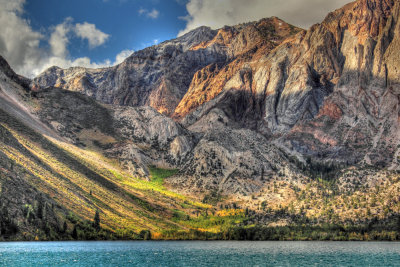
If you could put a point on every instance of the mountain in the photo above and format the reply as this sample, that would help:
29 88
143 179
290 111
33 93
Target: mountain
159 76
261 124
58 167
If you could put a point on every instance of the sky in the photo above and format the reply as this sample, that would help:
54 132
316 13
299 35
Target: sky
38 34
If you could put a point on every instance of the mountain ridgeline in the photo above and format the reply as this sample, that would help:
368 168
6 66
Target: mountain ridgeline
203 136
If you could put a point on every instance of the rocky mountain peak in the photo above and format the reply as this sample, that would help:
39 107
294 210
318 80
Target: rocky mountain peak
196 36
9 73
363 18
159 76
329 93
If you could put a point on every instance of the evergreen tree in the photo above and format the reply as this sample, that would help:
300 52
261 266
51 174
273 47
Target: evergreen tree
75 233
40 208
145 234
96 221
65 227
398 223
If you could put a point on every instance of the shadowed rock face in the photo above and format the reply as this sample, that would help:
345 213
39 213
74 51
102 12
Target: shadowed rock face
330 93
359 120
159 76
249 98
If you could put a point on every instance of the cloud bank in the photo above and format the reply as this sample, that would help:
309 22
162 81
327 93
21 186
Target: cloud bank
20 44
218 13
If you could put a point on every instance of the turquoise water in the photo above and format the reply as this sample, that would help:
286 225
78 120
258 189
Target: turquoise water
199 253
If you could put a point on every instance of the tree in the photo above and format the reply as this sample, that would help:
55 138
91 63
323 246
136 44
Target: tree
145 234
40 208
75 233
65 227
96 221
398 223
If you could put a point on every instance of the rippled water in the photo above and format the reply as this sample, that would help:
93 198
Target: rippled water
199 253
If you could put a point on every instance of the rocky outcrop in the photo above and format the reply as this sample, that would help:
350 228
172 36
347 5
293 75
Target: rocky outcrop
159 76
135 136
262 97
229 159
8 73
147 77
248 50
359 121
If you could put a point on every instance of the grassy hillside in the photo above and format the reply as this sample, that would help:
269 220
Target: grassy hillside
51 189
52 186
76 182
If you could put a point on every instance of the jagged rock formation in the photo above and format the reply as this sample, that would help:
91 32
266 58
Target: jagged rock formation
159 76
329 91
359 120
303 126
253 96
65 157
156 76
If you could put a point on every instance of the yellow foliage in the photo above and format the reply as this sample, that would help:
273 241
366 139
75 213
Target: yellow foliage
229 212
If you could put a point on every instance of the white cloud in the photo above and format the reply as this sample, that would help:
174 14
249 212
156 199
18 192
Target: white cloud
153 14
16 5
142 11
122 56
19 43
89 31
59 39
217 14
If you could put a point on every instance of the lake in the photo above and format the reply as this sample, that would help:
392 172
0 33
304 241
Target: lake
199 253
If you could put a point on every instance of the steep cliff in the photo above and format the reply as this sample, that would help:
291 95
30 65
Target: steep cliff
329 93
292 123
159 76
359 120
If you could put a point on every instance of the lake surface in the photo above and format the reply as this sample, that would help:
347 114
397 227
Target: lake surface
199 253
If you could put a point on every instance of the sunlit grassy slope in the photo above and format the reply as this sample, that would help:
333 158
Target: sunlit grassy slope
83 181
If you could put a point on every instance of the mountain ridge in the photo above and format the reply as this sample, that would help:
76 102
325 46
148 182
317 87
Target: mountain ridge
291 125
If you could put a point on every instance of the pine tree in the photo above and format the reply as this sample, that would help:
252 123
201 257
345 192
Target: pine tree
65 227
75 233
96 221
40 208
398 223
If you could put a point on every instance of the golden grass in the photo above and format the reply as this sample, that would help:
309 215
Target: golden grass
133 205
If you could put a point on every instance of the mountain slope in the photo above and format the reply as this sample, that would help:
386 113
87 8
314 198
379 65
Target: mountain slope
159 76
316 92
267 124
359 120
54 170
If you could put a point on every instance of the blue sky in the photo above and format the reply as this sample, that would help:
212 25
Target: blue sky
128 22
38 34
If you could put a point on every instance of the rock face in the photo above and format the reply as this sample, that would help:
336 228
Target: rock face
159 76
359 120
148 77
256 100
330 93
